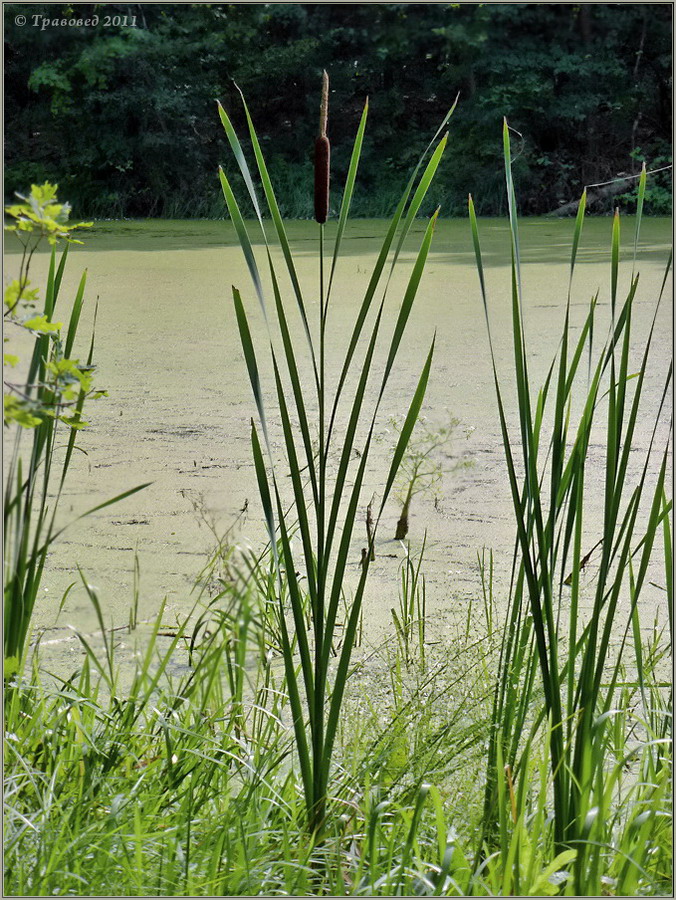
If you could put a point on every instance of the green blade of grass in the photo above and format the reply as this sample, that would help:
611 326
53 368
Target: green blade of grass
292 367
409 297
639 214
75 315
408 426
116 499
278 222
294 471
423 187
579 221
347 195
614 261
243 236
241 160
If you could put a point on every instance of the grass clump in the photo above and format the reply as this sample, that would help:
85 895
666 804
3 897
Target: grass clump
582 655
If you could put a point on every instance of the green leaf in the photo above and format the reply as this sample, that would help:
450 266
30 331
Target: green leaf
16 293
347 194
75 314
11 666
41 325
19 412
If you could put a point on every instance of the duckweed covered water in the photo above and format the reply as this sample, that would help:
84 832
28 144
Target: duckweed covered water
179 402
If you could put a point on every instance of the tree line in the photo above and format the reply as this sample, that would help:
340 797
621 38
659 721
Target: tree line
123 116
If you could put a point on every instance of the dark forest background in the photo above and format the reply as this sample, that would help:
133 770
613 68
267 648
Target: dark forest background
124 118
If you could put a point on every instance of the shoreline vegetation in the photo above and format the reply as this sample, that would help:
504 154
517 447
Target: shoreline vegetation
530 754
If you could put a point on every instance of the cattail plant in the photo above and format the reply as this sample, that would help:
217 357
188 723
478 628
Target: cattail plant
580 658
325 509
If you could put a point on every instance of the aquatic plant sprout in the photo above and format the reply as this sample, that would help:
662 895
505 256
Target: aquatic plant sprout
325 507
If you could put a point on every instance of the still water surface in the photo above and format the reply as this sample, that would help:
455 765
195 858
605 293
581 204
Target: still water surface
180 404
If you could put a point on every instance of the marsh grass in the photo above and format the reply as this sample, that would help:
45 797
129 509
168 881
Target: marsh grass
551 643
188 785
410 620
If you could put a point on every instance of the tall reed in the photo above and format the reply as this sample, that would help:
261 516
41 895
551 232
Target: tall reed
325 507
579 653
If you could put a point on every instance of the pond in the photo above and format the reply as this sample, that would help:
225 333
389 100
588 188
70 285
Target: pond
180 403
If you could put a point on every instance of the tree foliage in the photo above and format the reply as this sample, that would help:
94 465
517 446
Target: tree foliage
125 117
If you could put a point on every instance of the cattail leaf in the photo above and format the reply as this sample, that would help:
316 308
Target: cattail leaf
294 471
409 424
614 261
624 374
605 604
353 421
250 359
419 196
579 221
587 327
233 140
520 359
296 707
409 296
474 227
296 608
272 203
75 315
668 559
263 486
36 369
382 258
51 292
59 276
294 375
350 516
340 679
511 204
81 398
347 194
623 463
278 223
243 236
252 368
639 211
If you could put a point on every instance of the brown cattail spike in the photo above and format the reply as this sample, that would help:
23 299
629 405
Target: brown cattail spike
322 158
